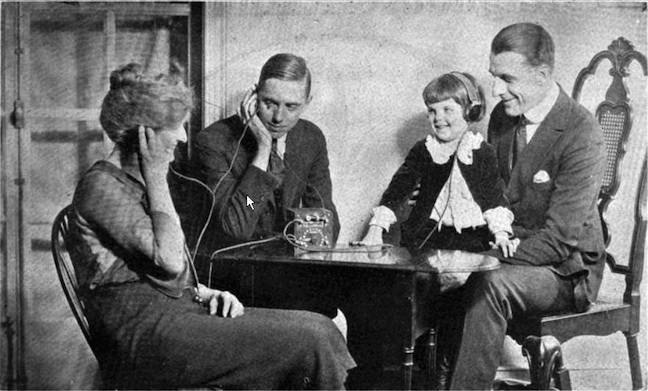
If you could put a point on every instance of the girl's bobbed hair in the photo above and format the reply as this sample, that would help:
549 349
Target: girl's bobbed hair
460 87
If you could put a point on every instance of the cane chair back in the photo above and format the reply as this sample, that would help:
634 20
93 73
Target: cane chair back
614 114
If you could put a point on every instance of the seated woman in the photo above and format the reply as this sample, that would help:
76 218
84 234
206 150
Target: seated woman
461 204
155 325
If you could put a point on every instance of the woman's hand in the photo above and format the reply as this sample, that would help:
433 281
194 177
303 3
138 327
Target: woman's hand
504 243
229 305
154 156
373 240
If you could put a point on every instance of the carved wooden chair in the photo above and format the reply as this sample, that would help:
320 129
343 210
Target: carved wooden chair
542 346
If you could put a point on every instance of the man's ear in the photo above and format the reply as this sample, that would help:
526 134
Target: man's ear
309 99
543 74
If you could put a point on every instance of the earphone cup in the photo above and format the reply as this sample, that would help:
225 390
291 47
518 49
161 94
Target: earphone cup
473 113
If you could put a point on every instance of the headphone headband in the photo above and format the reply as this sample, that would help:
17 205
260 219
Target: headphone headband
471 89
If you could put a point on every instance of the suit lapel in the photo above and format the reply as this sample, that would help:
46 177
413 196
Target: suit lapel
532 157
291 154
539 148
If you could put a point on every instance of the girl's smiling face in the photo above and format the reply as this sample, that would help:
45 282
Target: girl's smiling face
447 120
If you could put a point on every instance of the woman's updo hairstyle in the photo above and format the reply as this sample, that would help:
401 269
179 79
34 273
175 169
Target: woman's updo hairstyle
135 98
460 87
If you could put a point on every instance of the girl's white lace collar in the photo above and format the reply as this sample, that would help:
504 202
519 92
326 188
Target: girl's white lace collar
441 152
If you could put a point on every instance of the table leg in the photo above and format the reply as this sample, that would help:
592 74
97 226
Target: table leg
407 367
430 358
406 307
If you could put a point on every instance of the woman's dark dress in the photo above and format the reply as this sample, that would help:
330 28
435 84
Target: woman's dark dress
149 331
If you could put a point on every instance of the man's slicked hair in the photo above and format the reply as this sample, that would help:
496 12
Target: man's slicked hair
528 39
286 66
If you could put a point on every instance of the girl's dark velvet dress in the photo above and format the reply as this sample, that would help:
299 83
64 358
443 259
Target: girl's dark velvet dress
481 178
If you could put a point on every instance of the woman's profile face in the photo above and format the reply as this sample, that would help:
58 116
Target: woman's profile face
447 120
171 136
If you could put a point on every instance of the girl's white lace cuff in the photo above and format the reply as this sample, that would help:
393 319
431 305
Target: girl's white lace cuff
499 220
383 217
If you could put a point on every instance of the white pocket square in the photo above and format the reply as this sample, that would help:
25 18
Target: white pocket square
541 177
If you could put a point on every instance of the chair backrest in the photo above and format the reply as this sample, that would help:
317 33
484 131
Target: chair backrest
637 249
614 114
66 274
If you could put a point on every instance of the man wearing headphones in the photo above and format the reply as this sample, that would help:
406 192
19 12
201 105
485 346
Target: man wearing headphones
551 153
258 163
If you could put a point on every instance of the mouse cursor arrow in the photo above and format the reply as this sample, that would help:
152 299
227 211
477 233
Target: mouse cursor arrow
249 202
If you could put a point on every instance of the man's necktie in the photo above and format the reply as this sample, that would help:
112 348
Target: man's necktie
520 138
276 167
276 164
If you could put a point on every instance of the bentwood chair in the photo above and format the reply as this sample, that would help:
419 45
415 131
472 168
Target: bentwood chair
67 277
66 273
543 336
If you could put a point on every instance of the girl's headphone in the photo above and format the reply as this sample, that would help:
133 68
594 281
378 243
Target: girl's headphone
474 111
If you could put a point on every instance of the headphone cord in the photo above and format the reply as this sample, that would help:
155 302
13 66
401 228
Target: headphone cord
445 207
250 243
212 193
288 237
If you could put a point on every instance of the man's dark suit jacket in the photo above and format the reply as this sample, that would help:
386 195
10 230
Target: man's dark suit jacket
306 183
553 192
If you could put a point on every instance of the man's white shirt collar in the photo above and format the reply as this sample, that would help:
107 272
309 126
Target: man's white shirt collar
281 146
536 114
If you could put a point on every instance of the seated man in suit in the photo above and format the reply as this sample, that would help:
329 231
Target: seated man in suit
260 162
551 153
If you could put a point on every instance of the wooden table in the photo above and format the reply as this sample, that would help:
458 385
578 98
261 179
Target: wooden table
394 271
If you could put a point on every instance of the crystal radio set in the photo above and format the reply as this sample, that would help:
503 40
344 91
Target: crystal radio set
310 229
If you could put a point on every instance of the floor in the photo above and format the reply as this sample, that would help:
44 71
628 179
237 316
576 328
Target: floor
581 379
390 379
